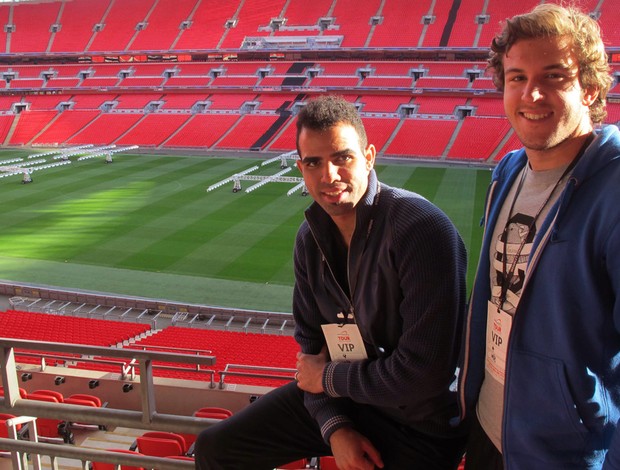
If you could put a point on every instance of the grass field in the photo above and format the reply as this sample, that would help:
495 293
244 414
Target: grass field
145 226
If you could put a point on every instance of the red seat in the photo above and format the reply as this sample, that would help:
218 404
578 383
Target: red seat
83 396
22 392
211 412
84 400
161 444
4 429
50 393
51 428
214 409
328 463
296 465
111 466
79 401
211 415
3 418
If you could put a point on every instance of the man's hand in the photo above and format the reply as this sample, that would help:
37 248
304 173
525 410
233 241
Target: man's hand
353 451
309 374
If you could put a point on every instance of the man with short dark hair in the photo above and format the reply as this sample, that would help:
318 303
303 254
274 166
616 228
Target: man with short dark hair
378 304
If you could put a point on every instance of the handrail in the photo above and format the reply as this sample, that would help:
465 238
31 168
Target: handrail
227 371
153 347
125 368
147 418
106 416
106 351
90 455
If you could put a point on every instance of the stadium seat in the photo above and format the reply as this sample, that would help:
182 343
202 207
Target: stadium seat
110 466
4 430
328 463
83 396
22 392
212 414
50 393
211 410
51 429
160 444
295 465
85 400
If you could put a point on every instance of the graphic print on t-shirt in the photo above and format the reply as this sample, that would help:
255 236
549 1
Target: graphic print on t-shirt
507 246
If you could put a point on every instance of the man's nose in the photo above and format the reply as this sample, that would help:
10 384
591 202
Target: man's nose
532 92
330 173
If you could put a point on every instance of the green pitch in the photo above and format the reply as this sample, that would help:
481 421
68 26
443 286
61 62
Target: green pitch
146 226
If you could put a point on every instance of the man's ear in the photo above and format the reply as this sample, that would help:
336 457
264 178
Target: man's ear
299 166
589 96
370 153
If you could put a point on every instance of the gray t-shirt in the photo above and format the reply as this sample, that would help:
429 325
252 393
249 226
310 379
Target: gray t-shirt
508 236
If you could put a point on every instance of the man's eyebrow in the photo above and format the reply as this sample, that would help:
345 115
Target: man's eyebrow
336 154
343 152
558 66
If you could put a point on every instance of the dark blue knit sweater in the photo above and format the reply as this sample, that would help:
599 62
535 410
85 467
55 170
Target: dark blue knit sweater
406 274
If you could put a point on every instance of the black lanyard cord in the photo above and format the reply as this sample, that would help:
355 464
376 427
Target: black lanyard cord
508 274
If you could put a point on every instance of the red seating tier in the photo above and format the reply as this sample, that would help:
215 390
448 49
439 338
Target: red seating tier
412 138
433 36
202 130
438 105
29 125
207 26
77 20
478 137
32 26
246 132
109 466
353 21
119 25
251 349
512 143
334 81
498 11
5 125
304 13
465 26
66 329
91 101
398 28
379 130
162 26
105 129
231 101
153 129
383 104
65 125
387 82
252 15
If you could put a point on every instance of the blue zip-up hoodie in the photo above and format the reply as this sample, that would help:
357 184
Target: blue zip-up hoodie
562 394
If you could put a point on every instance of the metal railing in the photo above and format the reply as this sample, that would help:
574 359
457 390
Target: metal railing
146 418
263 372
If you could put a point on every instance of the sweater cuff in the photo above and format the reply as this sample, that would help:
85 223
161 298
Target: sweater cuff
333 374
332 425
